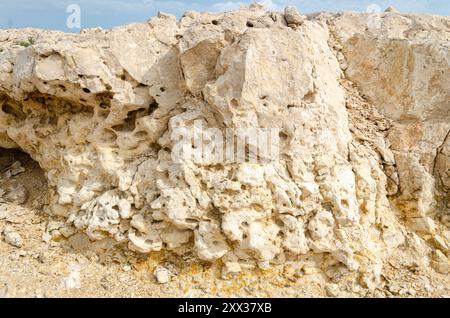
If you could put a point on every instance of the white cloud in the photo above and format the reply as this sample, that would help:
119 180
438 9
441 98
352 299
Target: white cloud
227 6
269 4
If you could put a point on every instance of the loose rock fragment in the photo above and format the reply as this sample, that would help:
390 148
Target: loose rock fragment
4 290
293 16
15 169
73 280
162 275
13 238
391 9
423 225
230 269
17 194
440 262
43 257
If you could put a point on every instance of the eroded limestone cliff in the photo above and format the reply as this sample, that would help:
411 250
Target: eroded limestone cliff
361 102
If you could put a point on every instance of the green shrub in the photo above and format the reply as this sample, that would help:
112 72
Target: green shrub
27 43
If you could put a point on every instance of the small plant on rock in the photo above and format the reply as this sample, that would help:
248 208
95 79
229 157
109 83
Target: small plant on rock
27 43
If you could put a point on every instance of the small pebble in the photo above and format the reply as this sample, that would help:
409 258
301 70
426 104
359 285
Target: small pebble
53 225
126 268
13 239
4 291
67 231
264 265
293 16
3 212
46 237
232 268
42 257
18 195
15 169
390 9
73 280
162 275
428 288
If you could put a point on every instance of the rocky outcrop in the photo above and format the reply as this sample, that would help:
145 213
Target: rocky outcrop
361 111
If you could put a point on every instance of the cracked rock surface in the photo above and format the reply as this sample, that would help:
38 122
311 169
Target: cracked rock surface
363 174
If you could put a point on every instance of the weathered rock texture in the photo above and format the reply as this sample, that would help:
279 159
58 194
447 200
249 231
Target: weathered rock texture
362 103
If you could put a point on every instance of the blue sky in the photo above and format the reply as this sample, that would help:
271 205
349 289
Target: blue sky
51 14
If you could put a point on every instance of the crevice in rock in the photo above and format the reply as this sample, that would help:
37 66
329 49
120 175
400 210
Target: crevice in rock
440 174
438 151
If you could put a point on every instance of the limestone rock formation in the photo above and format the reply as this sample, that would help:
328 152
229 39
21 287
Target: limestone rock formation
363 114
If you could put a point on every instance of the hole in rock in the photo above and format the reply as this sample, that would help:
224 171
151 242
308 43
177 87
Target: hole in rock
129 123
152 107
108 136
22 181
234 103
86 90
310 97
283 135
249 24
13 111
215 22
141 134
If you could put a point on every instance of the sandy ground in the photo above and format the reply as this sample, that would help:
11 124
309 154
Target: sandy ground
43 265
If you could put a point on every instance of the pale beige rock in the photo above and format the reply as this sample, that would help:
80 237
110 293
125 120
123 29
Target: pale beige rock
12 237
321 225
162 275
441 263
416 95
363 119
15 169
17 194
293 16
424 225
391 9
3 211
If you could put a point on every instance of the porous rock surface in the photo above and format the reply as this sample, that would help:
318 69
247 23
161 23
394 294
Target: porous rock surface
362 103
